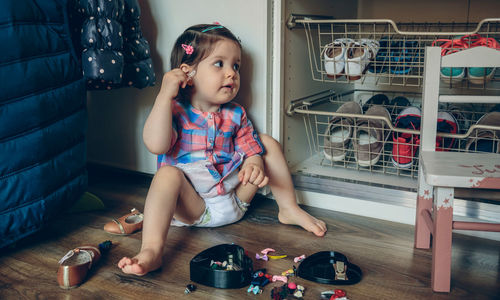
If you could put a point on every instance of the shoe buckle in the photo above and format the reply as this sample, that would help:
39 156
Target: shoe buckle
340 270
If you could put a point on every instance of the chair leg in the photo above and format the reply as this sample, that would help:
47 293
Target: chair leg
441 243
424 203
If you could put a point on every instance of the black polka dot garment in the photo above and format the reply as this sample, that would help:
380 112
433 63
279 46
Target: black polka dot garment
114 52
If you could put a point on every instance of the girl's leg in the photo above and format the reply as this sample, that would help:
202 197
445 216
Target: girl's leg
281 184
170 192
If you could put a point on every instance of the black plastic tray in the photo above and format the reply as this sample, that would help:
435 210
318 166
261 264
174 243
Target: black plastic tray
319 268
201 272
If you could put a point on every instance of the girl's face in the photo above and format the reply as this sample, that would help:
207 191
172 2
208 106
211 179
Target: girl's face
217 78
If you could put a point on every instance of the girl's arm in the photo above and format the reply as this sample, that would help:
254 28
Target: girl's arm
157 133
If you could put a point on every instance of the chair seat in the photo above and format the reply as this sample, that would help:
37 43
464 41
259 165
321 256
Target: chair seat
461 169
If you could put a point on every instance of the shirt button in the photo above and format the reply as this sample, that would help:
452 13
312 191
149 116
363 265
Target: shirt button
210 116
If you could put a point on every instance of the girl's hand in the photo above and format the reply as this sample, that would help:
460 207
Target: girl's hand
172 81
253 174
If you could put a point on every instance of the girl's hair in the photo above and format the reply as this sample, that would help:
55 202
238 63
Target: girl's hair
201 38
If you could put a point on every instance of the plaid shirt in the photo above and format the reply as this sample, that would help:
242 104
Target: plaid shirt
225 138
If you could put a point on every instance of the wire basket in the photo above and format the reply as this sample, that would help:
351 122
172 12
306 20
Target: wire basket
379 132
382 52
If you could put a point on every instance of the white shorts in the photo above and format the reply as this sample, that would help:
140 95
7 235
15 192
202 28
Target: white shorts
219 209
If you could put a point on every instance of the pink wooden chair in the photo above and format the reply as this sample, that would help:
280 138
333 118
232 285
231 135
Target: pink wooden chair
441 172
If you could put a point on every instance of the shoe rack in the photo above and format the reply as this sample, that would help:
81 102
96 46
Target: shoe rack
399 73
312 98
400 59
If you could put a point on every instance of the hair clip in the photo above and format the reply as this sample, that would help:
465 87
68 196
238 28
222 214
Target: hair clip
276 256
299 258
191 74
280 278
188 48
267 250
212 28
263 257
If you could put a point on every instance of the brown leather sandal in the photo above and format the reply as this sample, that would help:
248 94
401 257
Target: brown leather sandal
128 224
75 265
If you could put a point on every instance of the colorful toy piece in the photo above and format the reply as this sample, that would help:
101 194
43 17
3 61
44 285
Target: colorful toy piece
299 292
280 278
299 258
262 257
289 272
267 250
277 256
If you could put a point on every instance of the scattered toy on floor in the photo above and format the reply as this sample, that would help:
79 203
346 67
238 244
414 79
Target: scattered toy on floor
299 258
337 294
262 257
282 292
267 250
277 256
190 288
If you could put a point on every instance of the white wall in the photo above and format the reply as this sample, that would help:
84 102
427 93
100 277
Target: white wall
116 117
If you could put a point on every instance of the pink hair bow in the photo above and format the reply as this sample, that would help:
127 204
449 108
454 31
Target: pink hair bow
188 48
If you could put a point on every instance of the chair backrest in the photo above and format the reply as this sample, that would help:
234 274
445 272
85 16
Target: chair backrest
474 57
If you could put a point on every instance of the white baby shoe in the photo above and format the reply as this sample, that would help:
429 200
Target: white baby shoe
358 55
334 57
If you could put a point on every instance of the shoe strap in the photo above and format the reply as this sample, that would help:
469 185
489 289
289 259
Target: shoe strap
451 46
482 41
120 226
80 250
338 42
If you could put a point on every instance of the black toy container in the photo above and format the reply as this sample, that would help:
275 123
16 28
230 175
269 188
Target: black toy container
201 271
319 268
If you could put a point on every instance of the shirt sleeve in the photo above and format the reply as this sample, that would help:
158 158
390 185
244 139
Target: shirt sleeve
247 139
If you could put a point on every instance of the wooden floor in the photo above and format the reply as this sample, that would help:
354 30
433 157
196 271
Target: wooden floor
392 268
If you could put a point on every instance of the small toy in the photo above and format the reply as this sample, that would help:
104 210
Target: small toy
260 278
277 256
336 294
267 250
262 257
279 292
190 288
280 278
289 272
292 286
299 292
254 289
299 258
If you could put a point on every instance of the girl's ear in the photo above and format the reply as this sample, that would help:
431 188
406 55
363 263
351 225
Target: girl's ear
186 68
189 71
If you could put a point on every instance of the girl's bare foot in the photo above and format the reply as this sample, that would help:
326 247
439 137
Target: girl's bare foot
297 216
146 261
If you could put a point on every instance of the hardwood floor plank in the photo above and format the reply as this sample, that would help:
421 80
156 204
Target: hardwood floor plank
392 267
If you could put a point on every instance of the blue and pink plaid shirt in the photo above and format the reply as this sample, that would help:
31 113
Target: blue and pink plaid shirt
225 138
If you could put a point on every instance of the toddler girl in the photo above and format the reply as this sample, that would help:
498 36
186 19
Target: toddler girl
211 161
